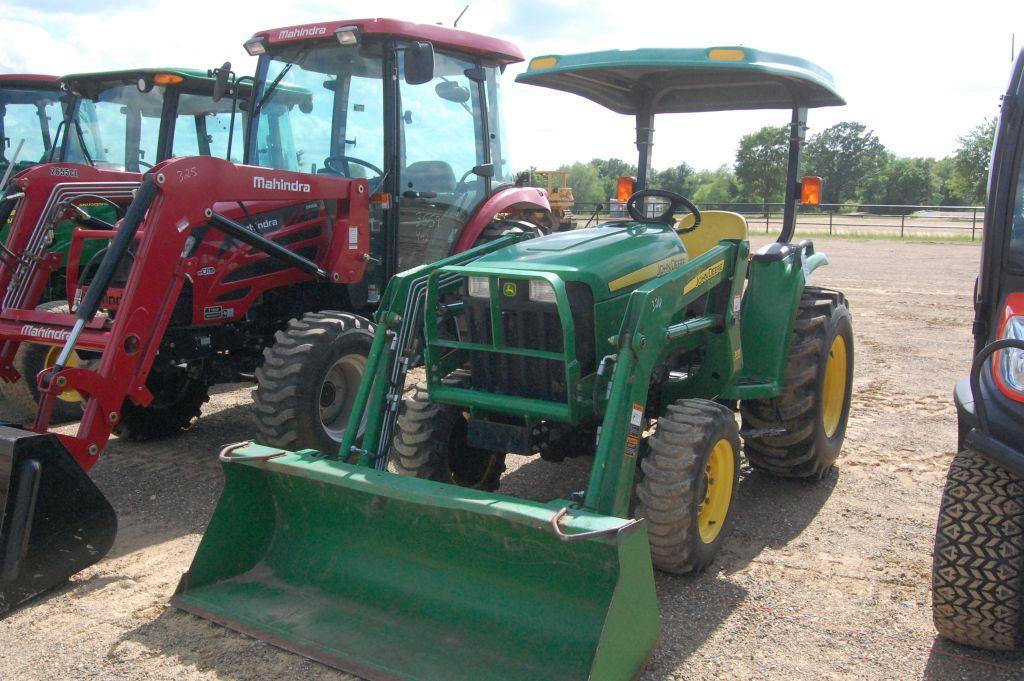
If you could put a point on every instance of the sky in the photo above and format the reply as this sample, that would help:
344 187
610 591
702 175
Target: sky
918 74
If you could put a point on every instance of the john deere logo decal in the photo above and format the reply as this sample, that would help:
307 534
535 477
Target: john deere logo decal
509 289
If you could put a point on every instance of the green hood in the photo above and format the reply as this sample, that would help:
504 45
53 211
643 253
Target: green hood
598 257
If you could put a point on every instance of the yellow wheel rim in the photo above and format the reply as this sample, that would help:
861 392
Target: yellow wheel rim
51 359
833 397
719 472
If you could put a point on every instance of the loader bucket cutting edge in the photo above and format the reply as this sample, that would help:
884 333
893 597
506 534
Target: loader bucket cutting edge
392 577
55 521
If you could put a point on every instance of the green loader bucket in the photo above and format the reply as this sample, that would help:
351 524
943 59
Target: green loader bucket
392 577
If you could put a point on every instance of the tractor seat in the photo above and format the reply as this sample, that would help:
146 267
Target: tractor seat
429 176
715 225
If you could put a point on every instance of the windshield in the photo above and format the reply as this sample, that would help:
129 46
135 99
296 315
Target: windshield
1015 254
30 115
118 129
202 128
122 128
326 113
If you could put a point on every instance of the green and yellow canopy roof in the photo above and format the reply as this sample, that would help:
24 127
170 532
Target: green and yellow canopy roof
681 80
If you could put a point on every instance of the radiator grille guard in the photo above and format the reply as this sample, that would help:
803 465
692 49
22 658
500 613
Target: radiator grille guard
42 231
524 354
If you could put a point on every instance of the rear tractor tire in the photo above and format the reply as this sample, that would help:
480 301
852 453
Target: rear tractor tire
178 398
21 399
430 443
978 563
689 479
799 433
307 383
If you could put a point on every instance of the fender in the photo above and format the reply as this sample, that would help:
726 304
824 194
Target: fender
530 198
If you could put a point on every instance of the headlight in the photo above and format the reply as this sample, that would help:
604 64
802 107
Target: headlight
479 287
541 291
1011 363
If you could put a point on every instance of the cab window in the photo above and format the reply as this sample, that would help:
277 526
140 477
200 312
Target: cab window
1015 253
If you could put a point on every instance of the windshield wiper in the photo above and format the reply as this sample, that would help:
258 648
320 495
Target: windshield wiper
280 76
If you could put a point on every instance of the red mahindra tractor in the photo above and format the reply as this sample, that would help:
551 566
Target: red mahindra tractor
218 272
114 126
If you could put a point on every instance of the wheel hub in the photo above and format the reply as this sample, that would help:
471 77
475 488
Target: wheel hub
833 394
338 392
718 478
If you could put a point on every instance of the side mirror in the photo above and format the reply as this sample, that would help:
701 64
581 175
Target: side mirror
452 92
220 84
419 63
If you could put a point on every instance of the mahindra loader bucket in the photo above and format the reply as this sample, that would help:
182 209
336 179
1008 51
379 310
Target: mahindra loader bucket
55 521
390 577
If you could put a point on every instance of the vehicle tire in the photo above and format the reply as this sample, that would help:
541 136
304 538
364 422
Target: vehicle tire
806 424
178 397
689 479
430 443
21 399
308 380
978 562
500 228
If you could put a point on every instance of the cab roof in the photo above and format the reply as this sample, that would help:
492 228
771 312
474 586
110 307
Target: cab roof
502 51
28 80
192 77
682 80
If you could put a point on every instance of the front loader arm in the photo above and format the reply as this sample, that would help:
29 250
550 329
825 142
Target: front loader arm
177 197
399 324
651 329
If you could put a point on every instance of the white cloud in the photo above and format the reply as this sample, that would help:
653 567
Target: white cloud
918 74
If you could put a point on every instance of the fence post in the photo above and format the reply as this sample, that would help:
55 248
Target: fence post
766 220
903 220
830 220
974 222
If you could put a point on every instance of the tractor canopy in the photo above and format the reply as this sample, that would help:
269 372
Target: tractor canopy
686 80
646 82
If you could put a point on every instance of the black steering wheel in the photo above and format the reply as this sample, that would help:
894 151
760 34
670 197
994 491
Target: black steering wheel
635 208
330 160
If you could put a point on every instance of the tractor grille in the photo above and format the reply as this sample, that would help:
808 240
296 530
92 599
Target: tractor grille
528 325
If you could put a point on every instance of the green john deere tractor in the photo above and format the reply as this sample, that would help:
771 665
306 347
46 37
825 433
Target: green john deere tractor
633 343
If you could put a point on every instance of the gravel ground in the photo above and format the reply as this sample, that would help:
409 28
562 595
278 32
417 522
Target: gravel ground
826 580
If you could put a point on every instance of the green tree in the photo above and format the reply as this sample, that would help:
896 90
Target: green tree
761 163
902 181
844 156
610 170
970 163
715 187
587 187
680 179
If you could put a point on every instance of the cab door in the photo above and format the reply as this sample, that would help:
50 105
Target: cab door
441 142
1002 268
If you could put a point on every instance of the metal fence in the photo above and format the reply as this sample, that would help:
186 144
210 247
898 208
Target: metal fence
834 219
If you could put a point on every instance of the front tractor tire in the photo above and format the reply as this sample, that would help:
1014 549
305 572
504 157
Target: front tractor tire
799 433
978 563
431 443
307 383
690 474
21 398
178 398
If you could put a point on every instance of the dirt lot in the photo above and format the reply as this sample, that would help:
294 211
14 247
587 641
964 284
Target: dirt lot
827 580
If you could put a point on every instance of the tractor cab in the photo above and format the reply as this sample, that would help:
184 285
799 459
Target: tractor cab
412 108
31 107
131 120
